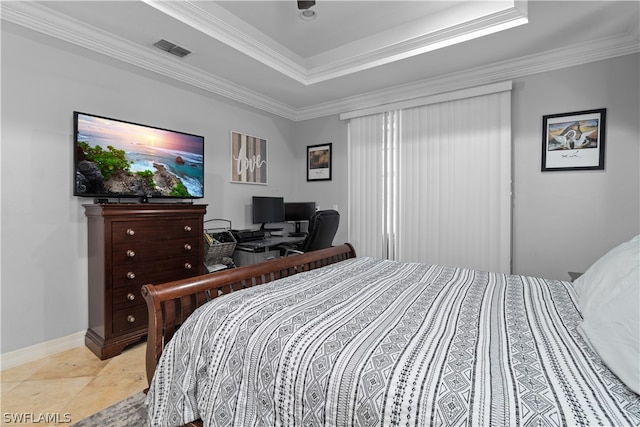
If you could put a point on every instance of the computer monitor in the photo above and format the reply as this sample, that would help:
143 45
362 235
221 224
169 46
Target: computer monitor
267 210
298 212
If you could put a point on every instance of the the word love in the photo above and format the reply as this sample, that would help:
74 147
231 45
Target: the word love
244 163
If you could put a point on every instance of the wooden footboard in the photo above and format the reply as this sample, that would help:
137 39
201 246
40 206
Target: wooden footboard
169 304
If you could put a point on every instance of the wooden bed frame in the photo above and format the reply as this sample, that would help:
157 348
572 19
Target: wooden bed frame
169 304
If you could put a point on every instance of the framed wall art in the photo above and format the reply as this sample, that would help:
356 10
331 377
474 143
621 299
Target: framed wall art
573 141
319 162
248 159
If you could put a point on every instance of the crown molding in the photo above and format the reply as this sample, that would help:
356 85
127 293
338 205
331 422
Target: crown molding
46 21
393 45
363 57
51 23
224 27
551 60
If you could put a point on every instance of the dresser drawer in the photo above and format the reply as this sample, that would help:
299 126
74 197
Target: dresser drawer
130 245
148 230
127 296
130 253
130 318
157 272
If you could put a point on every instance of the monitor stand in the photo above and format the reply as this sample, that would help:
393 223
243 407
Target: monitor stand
263 228
298 232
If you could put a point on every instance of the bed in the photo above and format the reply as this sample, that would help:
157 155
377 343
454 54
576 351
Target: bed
330 339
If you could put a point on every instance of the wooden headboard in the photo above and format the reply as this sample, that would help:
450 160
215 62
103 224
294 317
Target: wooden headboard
169 304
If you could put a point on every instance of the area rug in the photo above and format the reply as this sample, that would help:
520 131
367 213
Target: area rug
130 412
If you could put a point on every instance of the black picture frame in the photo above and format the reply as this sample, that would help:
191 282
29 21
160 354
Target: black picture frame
574 141
319 162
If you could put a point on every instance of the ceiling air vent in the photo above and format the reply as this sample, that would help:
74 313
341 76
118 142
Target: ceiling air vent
302 5
172 48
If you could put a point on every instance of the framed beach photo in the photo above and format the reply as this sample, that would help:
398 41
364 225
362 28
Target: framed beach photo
574 141
248 159
319 162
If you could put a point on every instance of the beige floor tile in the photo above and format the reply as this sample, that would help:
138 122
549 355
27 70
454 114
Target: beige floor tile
73 384
6 387
77 362
131 361
22 372
46 396
104 391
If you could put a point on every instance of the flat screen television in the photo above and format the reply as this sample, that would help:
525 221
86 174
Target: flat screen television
298 212
119 159
267 210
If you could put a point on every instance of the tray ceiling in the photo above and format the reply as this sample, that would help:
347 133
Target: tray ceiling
353 55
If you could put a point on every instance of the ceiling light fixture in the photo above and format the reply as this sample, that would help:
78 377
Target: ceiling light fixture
305 10
308 14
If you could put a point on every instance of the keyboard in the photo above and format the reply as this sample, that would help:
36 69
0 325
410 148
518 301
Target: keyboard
256 243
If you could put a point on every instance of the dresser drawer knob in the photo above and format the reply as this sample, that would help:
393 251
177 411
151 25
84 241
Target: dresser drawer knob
131 318
131 296
131 275
187 228
130 232
187 247
131 253
187 266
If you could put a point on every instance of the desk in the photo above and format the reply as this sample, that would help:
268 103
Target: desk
248 253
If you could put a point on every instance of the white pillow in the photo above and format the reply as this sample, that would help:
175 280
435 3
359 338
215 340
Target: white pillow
605 279
609 296
614 332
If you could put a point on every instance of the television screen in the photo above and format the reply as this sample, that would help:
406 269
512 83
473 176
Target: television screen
115 158
267 210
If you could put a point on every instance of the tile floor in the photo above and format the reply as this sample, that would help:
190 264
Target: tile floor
69 386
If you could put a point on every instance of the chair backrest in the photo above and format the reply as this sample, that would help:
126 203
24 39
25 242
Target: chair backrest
323 226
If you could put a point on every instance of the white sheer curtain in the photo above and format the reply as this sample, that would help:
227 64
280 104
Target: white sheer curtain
366 185
442 181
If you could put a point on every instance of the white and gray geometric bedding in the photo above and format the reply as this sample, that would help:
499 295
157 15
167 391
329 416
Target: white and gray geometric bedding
369 342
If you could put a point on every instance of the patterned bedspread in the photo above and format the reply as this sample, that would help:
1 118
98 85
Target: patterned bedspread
369 342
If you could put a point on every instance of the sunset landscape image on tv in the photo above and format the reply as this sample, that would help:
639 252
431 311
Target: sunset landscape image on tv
120 159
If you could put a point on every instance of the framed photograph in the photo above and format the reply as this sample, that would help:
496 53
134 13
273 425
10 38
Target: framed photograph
573 141
319 162
248 159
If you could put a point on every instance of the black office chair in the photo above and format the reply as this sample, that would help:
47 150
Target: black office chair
323 226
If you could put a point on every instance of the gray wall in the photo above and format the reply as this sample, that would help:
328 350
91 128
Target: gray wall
44 236
327 194
562 221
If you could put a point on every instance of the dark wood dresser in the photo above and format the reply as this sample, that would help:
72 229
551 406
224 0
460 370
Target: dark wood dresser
131 245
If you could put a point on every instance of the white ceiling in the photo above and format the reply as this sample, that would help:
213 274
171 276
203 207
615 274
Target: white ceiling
355 54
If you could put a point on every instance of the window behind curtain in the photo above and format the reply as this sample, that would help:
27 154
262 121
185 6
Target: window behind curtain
433 183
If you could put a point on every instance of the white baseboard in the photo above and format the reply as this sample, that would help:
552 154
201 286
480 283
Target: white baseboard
19 357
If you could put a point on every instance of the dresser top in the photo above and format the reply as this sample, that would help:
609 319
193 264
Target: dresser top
151 209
